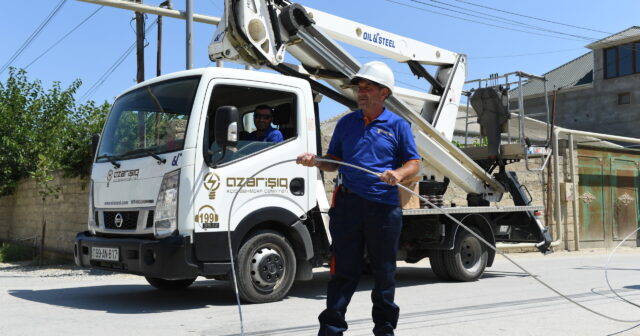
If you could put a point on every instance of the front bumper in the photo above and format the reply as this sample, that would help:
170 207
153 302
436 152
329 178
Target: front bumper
165 258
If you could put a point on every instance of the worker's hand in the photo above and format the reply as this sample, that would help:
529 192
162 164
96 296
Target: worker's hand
307 159
390 177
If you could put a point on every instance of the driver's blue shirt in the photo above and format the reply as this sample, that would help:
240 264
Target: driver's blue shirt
270 135
385 143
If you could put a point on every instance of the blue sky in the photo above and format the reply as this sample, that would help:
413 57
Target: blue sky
92 49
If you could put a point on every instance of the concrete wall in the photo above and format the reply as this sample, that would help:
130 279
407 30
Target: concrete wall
21 214
594 107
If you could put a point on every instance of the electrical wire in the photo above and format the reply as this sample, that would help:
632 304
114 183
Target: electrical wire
33 36
533 17
508 20
504 20
523 55
606 269
479 237
233 269
483 23
485 242
215 5
113 67
107 73
65 36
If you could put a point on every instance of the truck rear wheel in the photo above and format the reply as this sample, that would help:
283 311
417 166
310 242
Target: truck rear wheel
164 284
266 267
468 259
438 266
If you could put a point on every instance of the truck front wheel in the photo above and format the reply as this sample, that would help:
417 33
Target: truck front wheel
468 259
266 267
164 284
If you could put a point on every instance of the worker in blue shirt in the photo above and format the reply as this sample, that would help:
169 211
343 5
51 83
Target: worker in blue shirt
365 215
262 118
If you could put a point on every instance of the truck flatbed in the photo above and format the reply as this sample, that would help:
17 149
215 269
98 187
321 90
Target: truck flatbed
467 210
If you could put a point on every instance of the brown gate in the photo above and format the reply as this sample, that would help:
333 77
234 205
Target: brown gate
608 195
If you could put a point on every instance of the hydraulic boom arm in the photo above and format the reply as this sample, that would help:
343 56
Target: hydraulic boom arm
258 32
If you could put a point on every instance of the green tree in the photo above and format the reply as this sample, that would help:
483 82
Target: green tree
86 120
42 131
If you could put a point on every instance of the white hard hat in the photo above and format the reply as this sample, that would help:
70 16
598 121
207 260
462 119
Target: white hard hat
377 72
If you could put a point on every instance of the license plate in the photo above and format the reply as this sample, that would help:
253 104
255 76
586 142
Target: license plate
105 253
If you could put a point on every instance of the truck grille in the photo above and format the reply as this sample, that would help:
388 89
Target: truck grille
128 220
150 219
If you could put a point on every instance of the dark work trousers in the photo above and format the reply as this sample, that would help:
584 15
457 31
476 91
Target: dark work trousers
357 224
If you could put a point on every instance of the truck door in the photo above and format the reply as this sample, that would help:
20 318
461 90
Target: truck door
245 170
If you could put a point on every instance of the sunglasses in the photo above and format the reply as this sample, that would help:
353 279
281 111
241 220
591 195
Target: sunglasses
261 116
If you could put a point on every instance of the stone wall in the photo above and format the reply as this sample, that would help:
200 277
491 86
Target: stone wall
21 214
6 215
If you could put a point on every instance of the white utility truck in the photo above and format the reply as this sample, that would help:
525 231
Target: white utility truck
177 190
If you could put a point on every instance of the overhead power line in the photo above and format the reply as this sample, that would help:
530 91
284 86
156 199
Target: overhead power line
65 36
527 54
503 19
533 17
483 23
33 36
215 5
96 85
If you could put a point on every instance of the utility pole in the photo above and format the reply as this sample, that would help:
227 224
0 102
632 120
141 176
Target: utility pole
189 40
166 4
140 74
140 44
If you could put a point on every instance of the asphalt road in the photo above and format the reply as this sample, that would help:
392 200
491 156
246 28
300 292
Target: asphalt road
65 300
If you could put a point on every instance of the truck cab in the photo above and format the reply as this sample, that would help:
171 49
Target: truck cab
169 203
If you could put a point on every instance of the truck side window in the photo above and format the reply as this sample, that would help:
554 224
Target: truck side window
282 126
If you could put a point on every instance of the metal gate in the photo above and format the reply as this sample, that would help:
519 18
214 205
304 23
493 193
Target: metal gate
608 195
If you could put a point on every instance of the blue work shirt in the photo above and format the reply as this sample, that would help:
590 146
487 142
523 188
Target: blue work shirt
270 135
386 143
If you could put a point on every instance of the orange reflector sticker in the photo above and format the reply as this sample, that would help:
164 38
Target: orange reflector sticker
332 265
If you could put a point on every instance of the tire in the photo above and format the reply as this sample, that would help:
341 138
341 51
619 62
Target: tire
436 259
266 267
468 259
169 285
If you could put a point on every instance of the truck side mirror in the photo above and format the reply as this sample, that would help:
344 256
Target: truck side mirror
95 140
226 126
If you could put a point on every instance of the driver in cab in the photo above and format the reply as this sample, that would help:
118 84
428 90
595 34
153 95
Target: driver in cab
262 118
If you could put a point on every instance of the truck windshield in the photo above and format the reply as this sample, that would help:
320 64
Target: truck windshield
149 120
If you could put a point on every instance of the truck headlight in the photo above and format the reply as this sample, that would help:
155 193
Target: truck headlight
165 219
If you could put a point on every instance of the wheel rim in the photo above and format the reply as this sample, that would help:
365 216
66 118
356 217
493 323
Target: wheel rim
471 253
267 268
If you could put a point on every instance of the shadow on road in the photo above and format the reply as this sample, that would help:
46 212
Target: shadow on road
405 277
139 298
133 299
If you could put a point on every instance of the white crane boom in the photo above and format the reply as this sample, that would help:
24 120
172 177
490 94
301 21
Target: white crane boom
259 32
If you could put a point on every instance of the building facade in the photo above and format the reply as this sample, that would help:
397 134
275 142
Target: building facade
596 92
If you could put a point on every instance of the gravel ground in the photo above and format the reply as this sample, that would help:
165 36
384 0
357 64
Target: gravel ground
68 270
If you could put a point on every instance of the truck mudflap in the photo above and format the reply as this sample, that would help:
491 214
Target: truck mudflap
164 258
